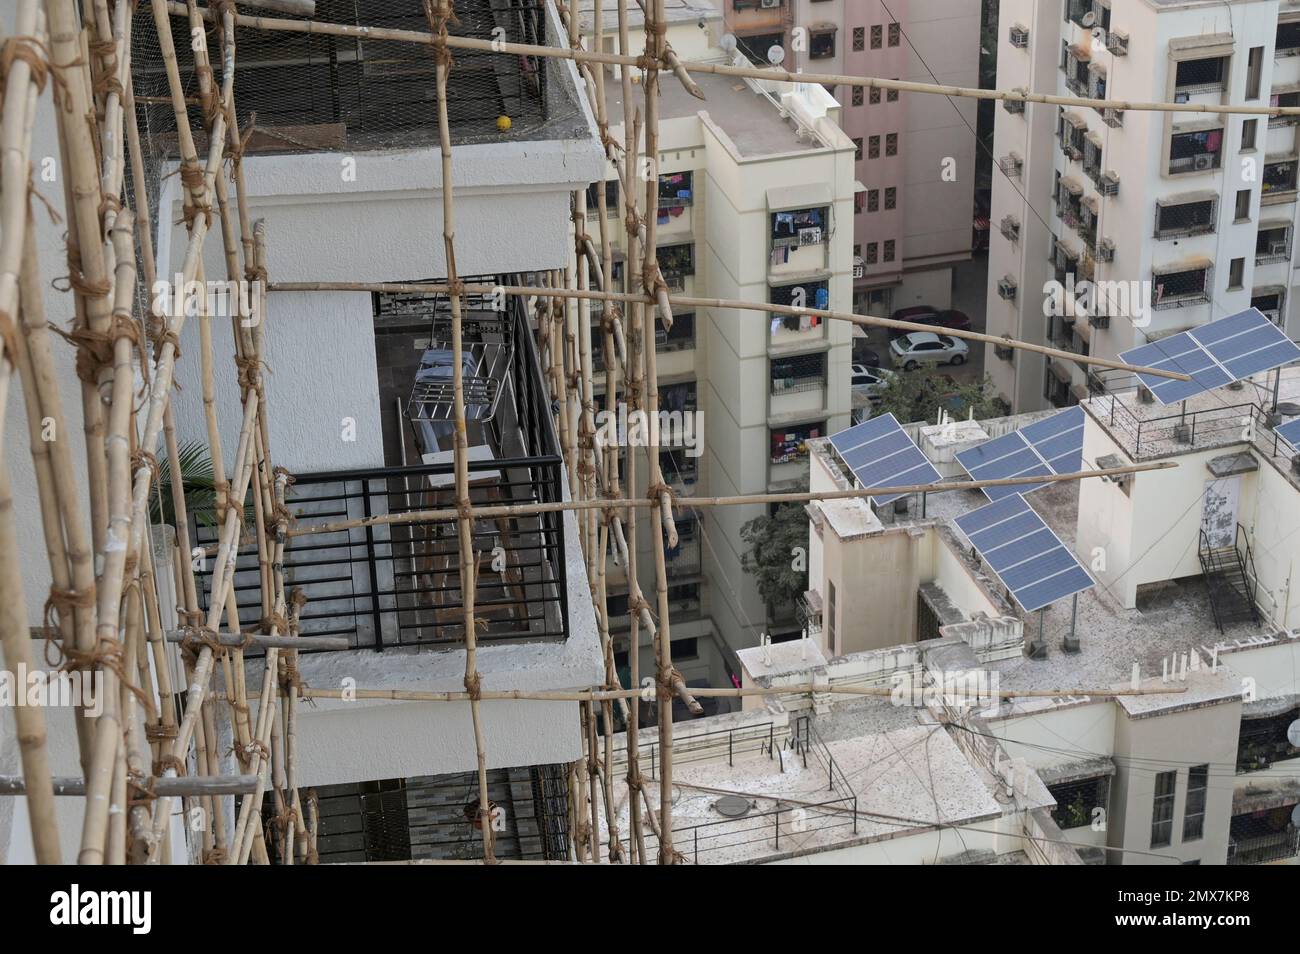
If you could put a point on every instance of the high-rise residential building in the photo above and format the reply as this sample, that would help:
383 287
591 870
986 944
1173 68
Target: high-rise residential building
755 184
1178 217
915 155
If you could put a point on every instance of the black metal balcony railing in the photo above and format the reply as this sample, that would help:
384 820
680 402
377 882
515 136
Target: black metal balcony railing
399 584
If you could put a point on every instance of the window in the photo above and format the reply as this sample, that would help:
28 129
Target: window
873 253
681 337
875 95
1076 10
1254 69
894 32
889 250
1196 151
857 251
802 295
790 445
676 261
873 200
675 192
857 96
1076 802
1248 130
857 149
891 197
1236 273
1162 809
873 147
1243 205
1279 177
1198 777
821 44
1288 38
891 144
1269 302
798 227
1273 243
877 34
1175 219
892 94
1188 286
858 203
859 39
801 372
1201 76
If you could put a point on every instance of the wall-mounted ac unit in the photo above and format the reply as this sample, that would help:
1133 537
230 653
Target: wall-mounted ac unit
1117 42
769 4
811 236
1105 250
1004 352
1016 107
1019 36
1277 248
1010 228
1007 288
1010 164
1113 117
1204 162
1109 184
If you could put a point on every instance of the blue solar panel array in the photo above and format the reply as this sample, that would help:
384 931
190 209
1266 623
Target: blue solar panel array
1215 354
880 454
1051 446
1029 559
1290 432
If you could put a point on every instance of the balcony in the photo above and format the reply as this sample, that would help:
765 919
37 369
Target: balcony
1273 244
798 329
1182 217
1195 151
315 92
399 585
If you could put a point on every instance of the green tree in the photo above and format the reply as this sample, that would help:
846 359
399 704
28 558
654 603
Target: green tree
919 395
777 558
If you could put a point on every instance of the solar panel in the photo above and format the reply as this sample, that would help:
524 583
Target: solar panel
880 454
1216 354
1290 432
1029 559
1050 446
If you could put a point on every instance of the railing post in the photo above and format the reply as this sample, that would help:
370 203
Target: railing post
855 814
730 747
370 563
697 844
777 816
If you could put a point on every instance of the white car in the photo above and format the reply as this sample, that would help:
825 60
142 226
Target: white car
910 351
871 381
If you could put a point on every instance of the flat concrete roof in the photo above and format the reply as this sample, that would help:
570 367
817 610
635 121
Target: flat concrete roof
675 11
749 119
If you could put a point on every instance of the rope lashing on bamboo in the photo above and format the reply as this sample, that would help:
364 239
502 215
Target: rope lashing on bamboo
9 336
162 764
250 373
474 686
107 654
95 348
159 332
194 179
107 81
143 458
160 732
32 52
253 747
273 621
57 607
76 279
194 639
142 790
291 676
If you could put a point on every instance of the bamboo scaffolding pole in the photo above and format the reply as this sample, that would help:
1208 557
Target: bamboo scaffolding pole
707 692
515 510
272 24
438 12
174 787
694 301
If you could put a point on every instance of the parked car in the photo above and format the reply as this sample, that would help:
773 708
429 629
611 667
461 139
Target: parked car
871 381
925 347
939 318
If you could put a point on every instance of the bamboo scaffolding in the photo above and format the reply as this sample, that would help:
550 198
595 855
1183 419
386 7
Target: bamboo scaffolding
691 301
503 48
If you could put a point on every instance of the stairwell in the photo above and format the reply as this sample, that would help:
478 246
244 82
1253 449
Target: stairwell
1230 579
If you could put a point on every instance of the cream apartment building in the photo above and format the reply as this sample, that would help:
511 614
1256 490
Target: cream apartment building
1198 210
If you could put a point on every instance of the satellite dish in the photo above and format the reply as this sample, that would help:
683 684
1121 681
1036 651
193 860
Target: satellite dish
1088 19
1293 734
775 55
727 43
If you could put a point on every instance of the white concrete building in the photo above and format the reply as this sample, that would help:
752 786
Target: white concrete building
346 195
1193 213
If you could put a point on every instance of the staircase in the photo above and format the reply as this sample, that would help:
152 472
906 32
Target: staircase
1230 578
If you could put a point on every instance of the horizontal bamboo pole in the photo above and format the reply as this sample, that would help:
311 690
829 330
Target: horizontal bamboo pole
272 24
181 785
867 321
515 510
609 695
270 642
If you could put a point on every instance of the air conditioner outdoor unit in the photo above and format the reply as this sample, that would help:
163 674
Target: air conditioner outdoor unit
1019 36
1105 250
1007 288
1109 184
1113 117
1010 228
1010 164
769 4
1117 42
1277 248
1015 107
1203 162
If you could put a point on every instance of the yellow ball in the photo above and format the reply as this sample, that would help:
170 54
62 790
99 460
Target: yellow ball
503 123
